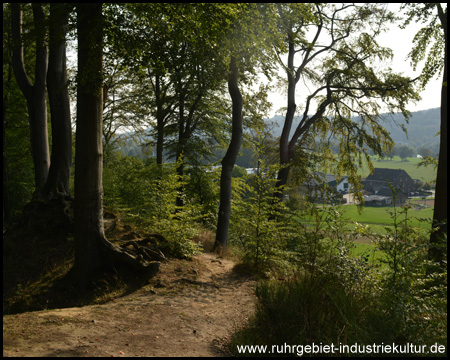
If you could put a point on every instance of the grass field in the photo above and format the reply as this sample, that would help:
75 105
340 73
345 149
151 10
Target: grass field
370 251
424 174
378 218
381 215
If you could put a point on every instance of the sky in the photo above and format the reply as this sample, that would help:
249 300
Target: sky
400 41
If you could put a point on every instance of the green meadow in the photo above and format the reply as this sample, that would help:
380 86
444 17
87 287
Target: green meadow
370 251
378 218
425 174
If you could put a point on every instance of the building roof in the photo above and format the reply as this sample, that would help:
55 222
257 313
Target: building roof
390 175
331 180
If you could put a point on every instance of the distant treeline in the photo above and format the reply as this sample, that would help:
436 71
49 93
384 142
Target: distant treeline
421 133
421 129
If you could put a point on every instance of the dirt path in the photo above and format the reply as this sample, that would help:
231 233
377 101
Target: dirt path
190 305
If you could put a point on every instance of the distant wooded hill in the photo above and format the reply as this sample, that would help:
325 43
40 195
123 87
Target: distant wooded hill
422 128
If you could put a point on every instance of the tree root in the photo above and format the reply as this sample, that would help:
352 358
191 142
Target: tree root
143 249
145 260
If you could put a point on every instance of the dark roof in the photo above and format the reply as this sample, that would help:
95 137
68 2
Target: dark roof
386 174
385 191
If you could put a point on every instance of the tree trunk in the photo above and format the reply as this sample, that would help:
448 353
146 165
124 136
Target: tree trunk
440 202
182 139
287 145
160 118
6 202
285 156
35 95
180 172
92 250
88 208
223 222
59 174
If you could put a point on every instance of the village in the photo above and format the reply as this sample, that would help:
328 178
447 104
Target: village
377 189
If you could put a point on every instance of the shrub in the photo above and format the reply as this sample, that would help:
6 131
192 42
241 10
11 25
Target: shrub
146 194
336 298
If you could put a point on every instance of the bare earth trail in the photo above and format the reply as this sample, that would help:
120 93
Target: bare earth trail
190 306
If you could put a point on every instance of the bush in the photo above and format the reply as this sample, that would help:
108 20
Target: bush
336 298
305 310
146 194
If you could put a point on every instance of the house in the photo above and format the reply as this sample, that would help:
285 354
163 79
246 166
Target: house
318 188
380 181
341 186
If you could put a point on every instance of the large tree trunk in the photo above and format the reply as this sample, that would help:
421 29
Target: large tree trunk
285 154
440 202
223 222
59 174
6 198
92 250
88 208
35 95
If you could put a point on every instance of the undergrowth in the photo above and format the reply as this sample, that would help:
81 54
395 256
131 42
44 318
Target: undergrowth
332 297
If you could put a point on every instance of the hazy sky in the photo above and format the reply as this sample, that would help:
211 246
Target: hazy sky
400 41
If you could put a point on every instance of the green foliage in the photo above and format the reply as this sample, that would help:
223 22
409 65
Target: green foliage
257 227
262 241
180 231
305 310
414 290
326 298
429 42
145 193
405 152
178 61
335 297
202 190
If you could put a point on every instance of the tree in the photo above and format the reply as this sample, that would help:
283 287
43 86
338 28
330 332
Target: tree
92 250
146 47
35 94
125 107
425 151
196 83
175 54
337 50
18 169
229 159
391 153
249 44
434 37
57 182
405 152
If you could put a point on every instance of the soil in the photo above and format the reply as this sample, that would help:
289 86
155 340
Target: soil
190 309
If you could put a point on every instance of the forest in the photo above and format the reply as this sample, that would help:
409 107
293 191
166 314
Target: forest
185 85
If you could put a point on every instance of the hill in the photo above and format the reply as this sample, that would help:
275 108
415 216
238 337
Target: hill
422 128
